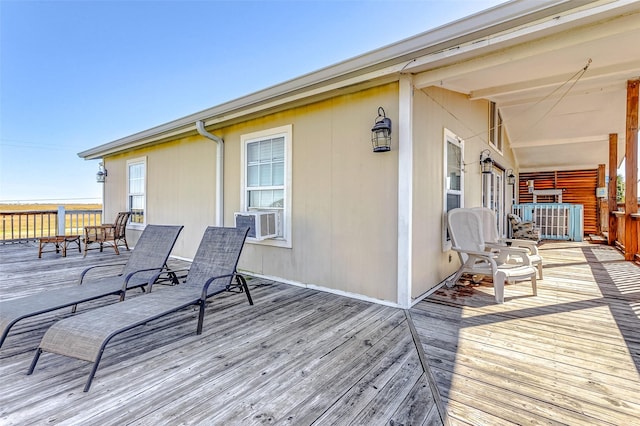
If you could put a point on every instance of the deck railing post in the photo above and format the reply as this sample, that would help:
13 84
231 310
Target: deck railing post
630 240
613 193
62 220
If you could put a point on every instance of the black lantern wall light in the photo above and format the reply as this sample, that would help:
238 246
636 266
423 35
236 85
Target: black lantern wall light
102 173
511 180
381 132
486 162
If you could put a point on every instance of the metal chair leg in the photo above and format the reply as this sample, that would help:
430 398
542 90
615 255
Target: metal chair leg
93 372
241 281
200 317
34 362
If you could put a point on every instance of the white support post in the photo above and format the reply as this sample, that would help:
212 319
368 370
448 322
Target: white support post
405 190
62 220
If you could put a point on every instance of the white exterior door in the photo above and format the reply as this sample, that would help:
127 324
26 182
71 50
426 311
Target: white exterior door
493 189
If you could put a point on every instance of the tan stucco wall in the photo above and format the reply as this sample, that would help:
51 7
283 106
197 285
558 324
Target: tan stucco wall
434 110
180 188
344 196
343 202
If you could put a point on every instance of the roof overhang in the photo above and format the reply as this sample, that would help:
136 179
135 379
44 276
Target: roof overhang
476 35
523 55
557 116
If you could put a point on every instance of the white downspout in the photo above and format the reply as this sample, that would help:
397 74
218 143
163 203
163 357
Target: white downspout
219 171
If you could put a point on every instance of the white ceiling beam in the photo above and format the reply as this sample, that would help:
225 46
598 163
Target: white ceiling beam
579 90
569 39
610 71
556 142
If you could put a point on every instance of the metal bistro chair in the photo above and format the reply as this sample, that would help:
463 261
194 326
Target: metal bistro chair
113 234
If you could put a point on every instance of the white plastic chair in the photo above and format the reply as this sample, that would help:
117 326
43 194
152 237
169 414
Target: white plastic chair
467 238
491 238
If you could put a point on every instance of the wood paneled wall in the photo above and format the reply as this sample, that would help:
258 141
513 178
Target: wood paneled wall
579 187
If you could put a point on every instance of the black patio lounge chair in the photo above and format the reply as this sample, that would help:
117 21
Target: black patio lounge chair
85 336
147 260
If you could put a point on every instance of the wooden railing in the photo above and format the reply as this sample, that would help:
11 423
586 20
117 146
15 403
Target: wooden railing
620 241
636 218
30 225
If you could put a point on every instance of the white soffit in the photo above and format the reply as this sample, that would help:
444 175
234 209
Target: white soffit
553 119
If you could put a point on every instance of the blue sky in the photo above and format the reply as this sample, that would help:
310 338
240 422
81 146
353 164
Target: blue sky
77 74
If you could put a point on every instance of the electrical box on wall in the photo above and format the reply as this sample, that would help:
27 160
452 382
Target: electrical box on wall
530 186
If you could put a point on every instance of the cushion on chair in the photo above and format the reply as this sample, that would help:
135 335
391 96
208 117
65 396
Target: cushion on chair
523 230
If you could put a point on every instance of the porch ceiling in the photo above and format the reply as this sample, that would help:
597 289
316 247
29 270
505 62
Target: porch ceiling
557 117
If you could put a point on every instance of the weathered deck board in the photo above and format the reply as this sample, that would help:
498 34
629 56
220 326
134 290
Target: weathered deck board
416 409
570 355
297 356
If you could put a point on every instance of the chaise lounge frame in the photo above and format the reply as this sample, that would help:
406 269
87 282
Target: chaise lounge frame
146 263
211 273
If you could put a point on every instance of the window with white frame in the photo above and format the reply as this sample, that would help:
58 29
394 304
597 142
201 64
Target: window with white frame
266 177
136 191
495 126
453 179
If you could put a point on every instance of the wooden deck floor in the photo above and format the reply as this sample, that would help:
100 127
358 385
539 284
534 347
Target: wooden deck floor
296 357
570 356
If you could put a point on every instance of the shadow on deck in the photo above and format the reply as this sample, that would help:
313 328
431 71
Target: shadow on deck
570 355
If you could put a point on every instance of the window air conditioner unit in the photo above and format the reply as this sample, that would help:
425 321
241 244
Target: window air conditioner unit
262 224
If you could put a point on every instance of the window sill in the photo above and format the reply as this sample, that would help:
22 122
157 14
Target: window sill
272 242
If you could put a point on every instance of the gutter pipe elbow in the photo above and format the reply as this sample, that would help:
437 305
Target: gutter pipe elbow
219 170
